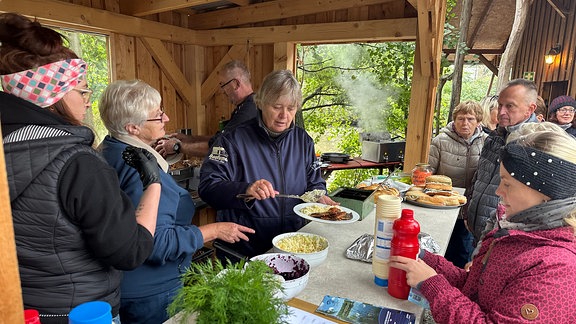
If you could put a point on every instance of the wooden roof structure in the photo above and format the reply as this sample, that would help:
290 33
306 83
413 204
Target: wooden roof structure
549 22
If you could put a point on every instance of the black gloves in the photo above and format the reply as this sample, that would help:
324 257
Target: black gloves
144 162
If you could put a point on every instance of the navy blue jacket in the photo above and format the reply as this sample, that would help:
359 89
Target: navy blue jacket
246 154
175 240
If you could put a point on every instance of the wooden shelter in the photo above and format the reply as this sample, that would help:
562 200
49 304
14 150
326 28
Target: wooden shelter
178 46
549 23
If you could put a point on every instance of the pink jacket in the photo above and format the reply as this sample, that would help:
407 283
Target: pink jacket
526 277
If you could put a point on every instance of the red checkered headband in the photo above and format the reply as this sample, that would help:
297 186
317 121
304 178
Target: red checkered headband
46 84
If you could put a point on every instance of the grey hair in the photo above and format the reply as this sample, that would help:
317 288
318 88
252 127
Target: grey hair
276 84
236 69
127 102
529 87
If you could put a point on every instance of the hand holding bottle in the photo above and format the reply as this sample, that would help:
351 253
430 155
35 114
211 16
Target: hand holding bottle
416 270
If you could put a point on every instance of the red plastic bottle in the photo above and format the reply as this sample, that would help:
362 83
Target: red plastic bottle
404 243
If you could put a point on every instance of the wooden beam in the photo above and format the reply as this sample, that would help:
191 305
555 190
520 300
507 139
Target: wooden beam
210 85
479 51
488 64
170 69
195 69
11 307
558 7
271 10
358 31
241 2
284 56
425 37
66 14
143 8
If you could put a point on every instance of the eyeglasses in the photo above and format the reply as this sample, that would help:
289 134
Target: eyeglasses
85 93
566 110
159 118
225 84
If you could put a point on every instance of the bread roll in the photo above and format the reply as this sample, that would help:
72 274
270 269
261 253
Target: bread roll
438 182
428 200
414 194
461 199
450 200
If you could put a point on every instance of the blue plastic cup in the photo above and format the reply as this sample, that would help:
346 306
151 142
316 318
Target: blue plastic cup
94 312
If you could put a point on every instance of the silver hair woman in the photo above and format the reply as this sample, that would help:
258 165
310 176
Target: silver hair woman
132 112
127 102
278 84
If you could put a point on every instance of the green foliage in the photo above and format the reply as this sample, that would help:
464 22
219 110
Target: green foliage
237 295
352 89
93 49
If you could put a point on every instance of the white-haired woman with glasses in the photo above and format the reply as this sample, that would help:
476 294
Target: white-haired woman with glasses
133 115
75 230
525 268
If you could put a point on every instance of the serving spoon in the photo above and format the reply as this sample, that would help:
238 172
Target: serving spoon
309 196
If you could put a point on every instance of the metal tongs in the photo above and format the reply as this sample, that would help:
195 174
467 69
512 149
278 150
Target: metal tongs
309 196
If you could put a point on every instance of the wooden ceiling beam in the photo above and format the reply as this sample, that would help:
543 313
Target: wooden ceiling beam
64 14
488 51
559 8
241 3
143 8
272 10
357 31
166 62
488 64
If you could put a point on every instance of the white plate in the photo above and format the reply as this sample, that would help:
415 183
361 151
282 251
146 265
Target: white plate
297 208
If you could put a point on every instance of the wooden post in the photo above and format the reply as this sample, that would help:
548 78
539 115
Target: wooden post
11 307
460 56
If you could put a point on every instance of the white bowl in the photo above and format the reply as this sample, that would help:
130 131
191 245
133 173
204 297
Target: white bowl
282 262
313 258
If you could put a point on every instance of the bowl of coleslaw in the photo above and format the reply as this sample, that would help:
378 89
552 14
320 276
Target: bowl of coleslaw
311 247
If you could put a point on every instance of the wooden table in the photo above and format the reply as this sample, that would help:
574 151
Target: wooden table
358 163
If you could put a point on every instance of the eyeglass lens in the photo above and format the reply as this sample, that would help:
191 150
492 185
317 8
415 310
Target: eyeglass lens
566 110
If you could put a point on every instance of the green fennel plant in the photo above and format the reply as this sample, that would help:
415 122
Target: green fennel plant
237 293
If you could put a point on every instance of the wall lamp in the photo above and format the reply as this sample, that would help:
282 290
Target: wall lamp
555 50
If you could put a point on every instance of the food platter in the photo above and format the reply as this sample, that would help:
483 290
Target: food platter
297 209
415 203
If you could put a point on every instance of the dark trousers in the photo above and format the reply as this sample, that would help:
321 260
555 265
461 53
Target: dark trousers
461 245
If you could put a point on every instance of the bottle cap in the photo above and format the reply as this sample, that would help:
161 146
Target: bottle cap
31 316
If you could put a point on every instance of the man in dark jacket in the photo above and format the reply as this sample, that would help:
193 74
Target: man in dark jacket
235 82
516 105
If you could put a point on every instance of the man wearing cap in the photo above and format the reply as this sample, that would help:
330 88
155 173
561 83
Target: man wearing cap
562 113
516 105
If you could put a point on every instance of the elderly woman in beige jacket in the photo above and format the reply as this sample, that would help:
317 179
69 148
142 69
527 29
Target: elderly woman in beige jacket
455 153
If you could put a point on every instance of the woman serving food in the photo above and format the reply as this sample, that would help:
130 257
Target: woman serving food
525 269
261 158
